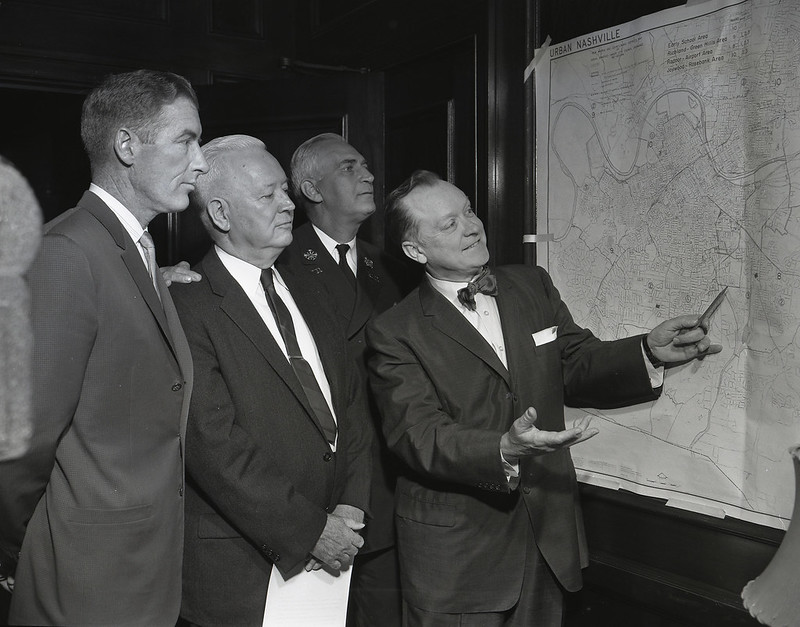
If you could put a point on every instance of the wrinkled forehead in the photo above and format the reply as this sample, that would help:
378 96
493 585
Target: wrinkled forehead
432 202
332 153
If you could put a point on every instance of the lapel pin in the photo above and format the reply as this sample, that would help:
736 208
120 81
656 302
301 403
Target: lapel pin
310 255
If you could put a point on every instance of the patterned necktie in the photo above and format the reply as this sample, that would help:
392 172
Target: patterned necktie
146 241
485 283
345 267
301 367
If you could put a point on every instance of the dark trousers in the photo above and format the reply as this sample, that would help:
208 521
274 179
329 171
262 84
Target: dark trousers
375 590
541 602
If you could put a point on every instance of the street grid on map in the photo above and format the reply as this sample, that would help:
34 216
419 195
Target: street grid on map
667 168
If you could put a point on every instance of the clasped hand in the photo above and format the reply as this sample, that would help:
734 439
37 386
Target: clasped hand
339 542
680 339
523 438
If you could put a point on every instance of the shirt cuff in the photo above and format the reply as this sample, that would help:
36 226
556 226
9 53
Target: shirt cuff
656 374
512 473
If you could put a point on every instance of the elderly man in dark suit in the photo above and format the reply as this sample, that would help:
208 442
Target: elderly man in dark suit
99 494
277 455
472 372
332 181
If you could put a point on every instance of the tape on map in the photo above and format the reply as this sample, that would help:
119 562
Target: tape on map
601 482
537 238
538 55
694 506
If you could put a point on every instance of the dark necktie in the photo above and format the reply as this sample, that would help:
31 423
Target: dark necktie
485 283
301 367
345 267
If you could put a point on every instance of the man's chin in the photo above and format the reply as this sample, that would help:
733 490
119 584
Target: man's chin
177 205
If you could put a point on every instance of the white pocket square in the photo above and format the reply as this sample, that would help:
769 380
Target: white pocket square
544 336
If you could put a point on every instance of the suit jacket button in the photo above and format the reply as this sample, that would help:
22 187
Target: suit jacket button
276 558
177 387
526 490
327 457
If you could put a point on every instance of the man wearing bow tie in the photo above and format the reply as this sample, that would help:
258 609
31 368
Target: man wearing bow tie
472 371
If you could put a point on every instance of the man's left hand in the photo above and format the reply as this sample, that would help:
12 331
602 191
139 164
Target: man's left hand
179 274
680 339
349 512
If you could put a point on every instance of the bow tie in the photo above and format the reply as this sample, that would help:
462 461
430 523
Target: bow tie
485 283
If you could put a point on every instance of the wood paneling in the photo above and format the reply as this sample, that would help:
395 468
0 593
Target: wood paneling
72 45
136 10
662 566
242 18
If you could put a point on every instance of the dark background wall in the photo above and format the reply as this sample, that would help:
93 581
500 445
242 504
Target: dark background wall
412 83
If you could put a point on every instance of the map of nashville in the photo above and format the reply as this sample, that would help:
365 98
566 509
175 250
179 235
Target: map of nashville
668 166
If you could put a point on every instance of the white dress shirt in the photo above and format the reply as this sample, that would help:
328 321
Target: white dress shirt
129 222
248 277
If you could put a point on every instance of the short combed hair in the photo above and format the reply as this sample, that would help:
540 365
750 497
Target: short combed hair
133 100
400 225
305 160
208 184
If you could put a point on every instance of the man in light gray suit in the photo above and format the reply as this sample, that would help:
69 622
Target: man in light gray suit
94 509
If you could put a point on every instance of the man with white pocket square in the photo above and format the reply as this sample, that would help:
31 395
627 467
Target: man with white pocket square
472 371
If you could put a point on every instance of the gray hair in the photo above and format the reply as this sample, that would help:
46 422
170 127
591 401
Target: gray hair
305 161
208 183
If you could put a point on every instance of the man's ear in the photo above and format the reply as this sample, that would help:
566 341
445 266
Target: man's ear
125 143
414 252
218 211
310 191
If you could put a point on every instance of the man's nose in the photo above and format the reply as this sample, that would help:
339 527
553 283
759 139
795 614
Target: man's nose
472 226
287 204
199 162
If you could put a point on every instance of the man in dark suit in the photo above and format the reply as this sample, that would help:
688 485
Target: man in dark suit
333 183
472 388
277 455
99 494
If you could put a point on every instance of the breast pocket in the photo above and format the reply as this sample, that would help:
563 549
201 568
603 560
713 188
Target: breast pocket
545 336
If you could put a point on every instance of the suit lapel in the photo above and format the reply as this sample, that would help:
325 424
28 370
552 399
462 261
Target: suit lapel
512 323
315 260
133 262
448 320
369 286
237 306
